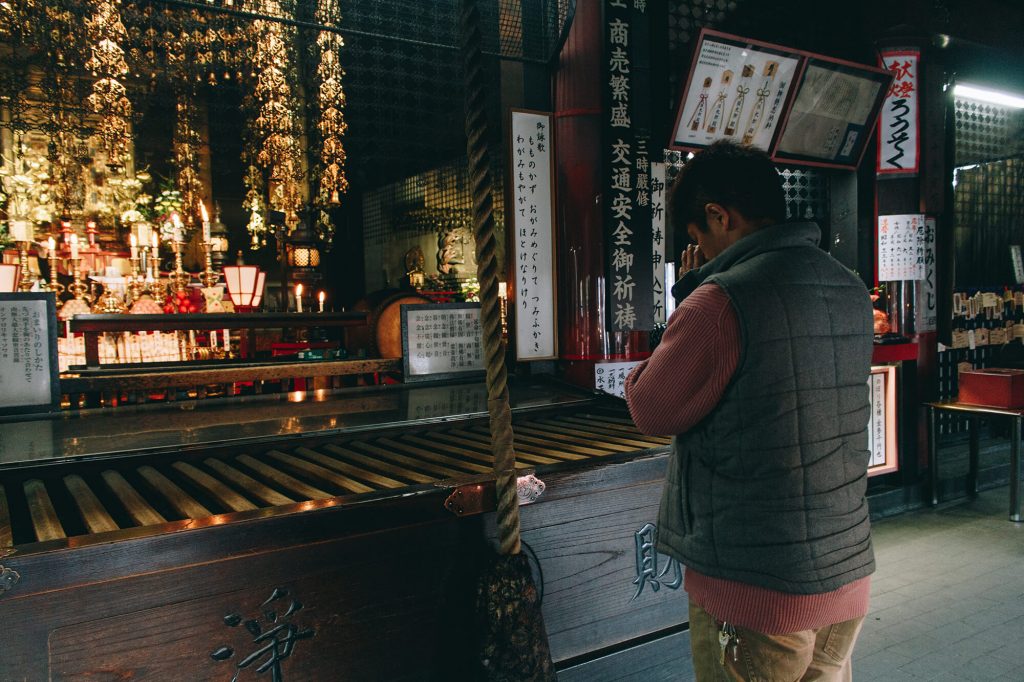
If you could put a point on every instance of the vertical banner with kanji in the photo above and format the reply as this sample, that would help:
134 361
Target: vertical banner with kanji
927 308
658 241
901 247
533 237
627 195
898 123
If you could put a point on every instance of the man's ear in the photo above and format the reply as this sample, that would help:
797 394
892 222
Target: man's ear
716 214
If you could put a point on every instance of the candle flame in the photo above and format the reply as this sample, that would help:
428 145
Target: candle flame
206 216
321 296
133 240
298 290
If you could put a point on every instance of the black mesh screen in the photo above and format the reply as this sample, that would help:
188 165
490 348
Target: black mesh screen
414 212
985 132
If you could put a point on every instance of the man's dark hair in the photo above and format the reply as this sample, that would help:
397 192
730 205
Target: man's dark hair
736 176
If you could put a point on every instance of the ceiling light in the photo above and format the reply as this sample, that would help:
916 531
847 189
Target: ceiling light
991 96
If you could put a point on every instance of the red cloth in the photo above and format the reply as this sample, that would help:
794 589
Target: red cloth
668 394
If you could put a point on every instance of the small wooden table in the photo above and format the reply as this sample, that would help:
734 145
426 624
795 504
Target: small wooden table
974 413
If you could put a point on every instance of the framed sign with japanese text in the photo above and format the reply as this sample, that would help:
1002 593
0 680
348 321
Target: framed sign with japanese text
29 380
738 89
441 341
532 206
882 420
899 141
800 107
834 110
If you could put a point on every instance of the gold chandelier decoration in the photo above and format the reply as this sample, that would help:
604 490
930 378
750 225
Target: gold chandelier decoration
332 125
109 97
186 159
277 117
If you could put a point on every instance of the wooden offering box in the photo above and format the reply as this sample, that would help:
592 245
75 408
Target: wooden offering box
331 536
993 387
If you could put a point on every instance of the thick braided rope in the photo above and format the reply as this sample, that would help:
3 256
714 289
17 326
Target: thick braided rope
487 274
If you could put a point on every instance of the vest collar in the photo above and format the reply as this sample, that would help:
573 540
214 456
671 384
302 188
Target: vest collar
771 238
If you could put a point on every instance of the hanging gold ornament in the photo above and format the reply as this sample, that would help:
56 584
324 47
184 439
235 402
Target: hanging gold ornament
186 160
109 97
276 122
332 125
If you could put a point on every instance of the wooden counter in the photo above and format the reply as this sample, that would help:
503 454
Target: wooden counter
167 563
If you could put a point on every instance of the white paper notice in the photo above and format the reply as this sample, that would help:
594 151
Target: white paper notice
610 377
534 238
25 372
901 247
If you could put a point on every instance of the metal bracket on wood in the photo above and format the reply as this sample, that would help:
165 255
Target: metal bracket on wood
467 500
478 498
8 579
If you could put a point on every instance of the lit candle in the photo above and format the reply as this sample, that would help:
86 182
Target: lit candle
321 296
144 229
156 242
74 245
177 227
206 223
51 244
134 246
298 298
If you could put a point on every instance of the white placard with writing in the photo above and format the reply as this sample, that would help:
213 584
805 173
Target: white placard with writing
901 247
441 340
898 141
28 378
533 237
658 195
610 377
876 422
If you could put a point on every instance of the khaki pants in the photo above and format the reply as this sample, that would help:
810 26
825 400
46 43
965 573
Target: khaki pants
823 654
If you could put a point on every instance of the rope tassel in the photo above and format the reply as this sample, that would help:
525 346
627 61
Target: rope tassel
512 641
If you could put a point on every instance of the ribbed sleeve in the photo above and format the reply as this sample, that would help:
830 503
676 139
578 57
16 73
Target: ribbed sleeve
687 374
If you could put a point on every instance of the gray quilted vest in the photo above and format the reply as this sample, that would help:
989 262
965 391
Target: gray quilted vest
769 488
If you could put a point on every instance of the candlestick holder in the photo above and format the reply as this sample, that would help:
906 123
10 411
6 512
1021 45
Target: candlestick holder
27 280
209 277
179 277
135 281
55 286
78 289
